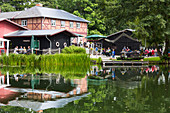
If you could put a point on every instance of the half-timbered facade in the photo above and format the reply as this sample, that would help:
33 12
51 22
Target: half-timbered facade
42 18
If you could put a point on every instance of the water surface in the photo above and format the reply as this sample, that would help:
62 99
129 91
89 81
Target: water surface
102 90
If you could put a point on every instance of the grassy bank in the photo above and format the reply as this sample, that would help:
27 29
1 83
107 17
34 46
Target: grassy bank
45 60
152 59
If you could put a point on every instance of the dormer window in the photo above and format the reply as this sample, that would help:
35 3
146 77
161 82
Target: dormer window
53 23
62 23
78 25
24 22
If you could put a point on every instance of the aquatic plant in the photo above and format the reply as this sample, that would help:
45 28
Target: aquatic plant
44 60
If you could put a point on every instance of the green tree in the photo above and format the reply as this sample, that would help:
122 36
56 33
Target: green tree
87 9
154 19
150 19
7 7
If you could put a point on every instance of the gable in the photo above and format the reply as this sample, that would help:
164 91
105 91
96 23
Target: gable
7 26
122 38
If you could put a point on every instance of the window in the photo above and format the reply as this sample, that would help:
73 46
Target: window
78 25
71 24
62 23
24 22
1 44
53 23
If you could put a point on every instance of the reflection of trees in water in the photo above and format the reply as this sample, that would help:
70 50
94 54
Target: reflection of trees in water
150 96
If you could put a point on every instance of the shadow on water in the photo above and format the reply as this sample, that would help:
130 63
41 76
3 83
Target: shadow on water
81 89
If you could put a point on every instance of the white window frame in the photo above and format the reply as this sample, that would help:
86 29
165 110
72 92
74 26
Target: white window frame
71 24
78 24
1 44
53 22
62 23
24 23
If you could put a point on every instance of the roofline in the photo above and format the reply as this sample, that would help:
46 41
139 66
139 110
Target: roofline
52 18
41 35
15 16
63 31
123 34
14 23
120 32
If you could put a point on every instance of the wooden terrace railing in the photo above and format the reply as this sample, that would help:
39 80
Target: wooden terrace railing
43 51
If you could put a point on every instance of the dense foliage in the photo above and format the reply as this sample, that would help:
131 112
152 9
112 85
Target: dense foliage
150 18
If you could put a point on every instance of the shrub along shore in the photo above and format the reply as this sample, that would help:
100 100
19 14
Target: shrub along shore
45 60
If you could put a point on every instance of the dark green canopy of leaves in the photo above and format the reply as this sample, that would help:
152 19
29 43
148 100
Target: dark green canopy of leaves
150 18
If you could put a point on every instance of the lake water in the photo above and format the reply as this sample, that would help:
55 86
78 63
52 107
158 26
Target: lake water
97 90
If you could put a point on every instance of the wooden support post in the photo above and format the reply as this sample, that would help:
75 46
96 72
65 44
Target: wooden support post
7 53
8 78
32 50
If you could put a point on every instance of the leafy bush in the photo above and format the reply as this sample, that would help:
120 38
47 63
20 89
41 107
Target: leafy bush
74 49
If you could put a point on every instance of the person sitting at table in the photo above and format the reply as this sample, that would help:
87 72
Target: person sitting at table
28 50
20 50
16 50
127 49
108 52
24 50
104 51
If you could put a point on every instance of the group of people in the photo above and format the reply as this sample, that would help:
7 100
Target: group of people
126 49
22 50
109 52
149 52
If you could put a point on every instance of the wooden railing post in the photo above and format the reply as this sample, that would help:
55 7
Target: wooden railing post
59 51
49 50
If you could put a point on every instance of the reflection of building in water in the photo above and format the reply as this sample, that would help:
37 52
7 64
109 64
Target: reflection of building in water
6 95
41 92
125 72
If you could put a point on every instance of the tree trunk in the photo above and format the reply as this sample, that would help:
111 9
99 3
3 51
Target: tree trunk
166 45
158 50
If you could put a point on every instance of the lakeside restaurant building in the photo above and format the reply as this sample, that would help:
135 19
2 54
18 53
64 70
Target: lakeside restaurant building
120 39
43 18
53 28
53 39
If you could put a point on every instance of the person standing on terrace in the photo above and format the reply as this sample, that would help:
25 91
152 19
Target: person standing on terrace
113 53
